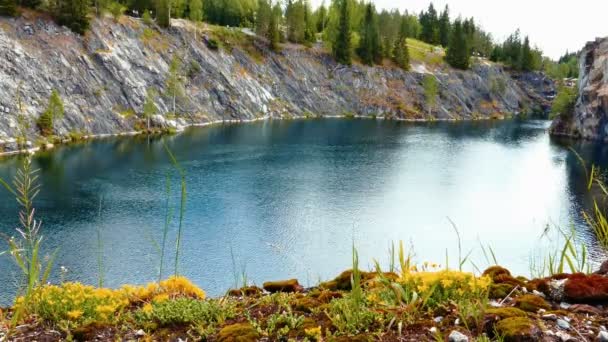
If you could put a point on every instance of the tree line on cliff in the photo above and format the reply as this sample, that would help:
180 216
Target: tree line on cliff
351 28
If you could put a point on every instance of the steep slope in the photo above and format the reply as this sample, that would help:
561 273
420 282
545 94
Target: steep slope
590 117
103 77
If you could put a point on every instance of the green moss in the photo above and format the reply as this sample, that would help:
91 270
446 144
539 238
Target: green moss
240 332
494 271
500 291
342 282
531 303
249 291
306 304
290 285
507 312
517 329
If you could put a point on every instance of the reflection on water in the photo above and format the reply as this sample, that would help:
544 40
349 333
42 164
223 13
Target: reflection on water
289 197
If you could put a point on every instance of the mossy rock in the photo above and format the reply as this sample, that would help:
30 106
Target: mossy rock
290 286
507 312
494 271
306 304
517 329
540 285
343 281
239 332
531 303
328 296
500 291
249 291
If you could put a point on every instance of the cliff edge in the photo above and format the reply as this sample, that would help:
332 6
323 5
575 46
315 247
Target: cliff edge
589 120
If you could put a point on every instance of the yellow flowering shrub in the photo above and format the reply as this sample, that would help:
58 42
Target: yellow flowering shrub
79 304
76 303
441 286
429 288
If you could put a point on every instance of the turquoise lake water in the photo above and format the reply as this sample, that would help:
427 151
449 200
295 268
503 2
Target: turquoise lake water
289 197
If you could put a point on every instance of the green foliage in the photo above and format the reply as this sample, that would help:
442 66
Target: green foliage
231 12
369 45
458 54
429 23
163 10
565 67
526 59
54 110
298 19
401 54
262 20
116 9
195 10
187 311
564 102
273 33
212 44
498 86
149 106
8 8
517 54
342 44
282 323
350 318
174 83
73 14
25 249
431 90
444 27
147 18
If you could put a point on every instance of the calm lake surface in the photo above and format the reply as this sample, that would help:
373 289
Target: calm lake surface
288 198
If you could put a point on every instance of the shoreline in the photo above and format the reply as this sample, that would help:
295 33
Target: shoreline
34 150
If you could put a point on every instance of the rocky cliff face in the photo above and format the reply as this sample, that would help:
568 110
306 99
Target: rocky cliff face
103 76
590 117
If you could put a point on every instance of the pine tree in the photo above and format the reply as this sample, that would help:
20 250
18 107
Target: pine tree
444 27
430 26
262 19
149 107
342 45
527 60
195 10
309 24
458 54
73 14
321 17
401 54
54 111
8 7
174 85
31 3
163 13
431 90
369 46
195 13
273 35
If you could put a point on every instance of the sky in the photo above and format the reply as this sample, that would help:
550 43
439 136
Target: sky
553 25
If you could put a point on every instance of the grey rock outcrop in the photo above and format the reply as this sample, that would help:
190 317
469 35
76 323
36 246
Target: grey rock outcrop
590 117
103 76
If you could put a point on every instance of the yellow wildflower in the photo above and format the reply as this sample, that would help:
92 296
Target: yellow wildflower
75 314
147 308
159 298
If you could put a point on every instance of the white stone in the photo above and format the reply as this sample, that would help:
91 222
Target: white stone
456 336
